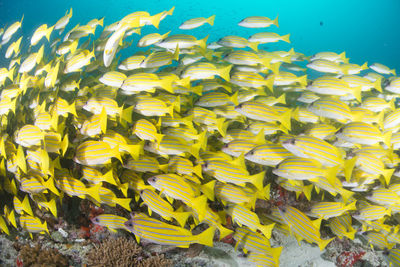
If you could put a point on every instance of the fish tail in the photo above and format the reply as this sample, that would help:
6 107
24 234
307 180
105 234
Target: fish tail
171 11
199 204
378 85
210 20
202 139
93 192
259 139
123 202
285 119
208 189
109 177
127 114
103 120
181 217
393 71
346 195
134 150
206 237
48 33
343 57
275 67
386 139
39 55
307 189
195 149
285 38
266 230
165 35
115 153
257 180
27 206
10 74
387 174
303 80
155 20
198 170
21 161
275 21
166 84
266 62
225 72
253 45
323 243
49 184
223 231
234 98
52 206
203 43
72 110
351 206
391 102
220 126
281 99
351 234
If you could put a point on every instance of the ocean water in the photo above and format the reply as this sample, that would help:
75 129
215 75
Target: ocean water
367 30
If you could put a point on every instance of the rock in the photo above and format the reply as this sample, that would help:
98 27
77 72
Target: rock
57 237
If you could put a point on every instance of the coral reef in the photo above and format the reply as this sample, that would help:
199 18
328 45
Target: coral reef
37 257
123 252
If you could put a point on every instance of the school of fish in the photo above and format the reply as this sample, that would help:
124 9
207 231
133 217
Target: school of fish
183 126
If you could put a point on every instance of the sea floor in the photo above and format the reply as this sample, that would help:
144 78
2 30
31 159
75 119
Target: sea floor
337 253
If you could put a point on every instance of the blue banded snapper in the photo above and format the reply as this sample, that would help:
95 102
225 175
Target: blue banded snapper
144 227
194 124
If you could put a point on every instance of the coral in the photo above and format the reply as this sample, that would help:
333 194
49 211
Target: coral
36 256
349 258
123 252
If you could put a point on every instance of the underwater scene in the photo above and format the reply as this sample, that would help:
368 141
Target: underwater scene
225 133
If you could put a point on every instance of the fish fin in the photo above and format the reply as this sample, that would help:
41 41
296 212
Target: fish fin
109 177
203 43
210 20
257 180
123 202
387 174
285 38
200 205
346 195
126 114
348 167
27 206
21 161
285 119
155 20
208 189
166 84
72 110
206 237
307 189
253 45
52 206
324 242
386 139
93 192
275 22
224 72
49 184
181 217
115 153
48 33
266 230
224 232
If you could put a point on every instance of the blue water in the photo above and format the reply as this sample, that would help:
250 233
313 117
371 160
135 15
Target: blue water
367 30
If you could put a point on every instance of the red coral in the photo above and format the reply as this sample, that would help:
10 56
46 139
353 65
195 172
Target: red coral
19 262
349 258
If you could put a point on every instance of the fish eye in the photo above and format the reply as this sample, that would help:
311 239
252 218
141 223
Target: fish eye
130 224
240 105
205 165
250 153
292 141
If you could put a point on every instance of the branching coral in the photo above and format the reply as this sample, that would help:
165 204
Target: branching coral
123 252
38 257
